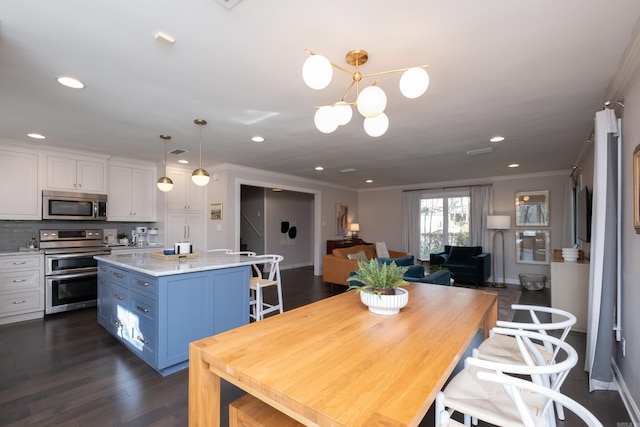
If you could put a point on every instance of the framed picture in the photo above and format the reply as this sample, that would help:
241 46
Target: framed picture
216 210
342 215
532 209
636 189
532 246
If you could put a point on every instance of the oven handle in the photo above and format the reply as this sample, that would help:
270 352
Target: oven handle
72 276
77 255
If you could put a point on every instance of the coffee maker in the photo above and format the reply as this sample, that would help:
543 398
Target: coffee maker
140 236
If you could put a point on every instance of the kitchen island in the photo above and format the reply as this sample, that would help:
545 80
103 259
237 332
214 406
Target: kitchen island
156 307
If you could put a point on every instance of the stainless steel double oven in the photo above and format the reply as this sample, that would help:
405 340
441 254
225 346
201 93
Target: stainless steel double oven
71 273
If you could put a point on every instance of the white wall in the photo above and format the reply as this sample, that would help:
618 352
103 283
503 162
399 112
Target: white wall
297 209
628 364
381 214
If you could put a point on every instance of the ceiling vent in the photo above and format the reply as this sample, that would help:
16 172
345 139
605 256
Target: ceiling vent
228 3
177 152
480 151
347 170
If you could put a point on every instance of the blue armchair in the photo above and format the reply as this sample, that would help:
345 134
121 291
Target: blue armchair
466 263
416 273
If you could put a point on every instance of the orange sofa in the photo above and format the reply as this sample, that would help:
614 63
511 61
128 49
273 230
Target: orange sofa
337 265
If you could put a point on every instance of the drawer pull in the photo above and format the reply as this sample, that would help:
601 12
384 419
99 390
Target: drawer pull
142 283
20 302
118 296
19 263
117 323
142 340
142 309
103 281
118 275
19 280
103 269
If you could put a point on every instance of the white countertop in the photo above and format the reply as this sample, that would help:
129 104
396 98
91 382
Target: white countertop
22 252
143 262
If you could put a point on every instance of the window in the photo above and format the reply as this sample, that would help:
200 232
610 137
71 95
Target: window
444 220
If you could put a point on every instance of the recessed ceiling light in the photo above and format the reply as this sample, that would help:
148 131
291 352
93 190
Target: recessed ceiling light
257 139
164 38
276 190
186 162
35 136
497 138
70 82
369 181
319 168
514 165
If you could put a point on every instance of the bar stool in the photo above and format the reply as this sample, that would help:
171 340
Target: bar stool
257 307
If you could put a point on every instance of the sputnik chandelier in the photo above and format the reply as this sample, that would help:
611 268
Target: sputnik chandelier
317 73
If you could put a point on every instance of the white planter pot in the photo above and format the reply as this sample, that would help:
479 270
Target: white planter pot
385 304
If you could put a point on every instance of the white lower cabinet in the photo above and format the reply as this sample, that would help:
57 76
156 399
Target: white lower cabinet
570 291
21 287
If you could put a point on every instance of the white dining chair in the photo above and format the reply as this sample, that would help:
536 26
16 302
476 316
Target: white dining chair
503 348
473 398
516 388
271 268
224 251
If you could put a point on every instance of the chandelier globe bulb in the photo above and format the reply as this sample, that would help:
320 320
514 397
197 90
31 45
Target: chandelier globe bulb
317 72
342 112
325 119
414 82
371 101
376 126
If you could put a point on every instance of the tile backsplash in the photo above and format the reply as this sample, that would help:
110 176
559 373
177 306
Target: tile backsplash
15 234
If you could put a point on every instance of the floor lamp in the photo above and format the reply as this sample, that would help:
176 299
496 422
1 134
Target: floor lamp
498 223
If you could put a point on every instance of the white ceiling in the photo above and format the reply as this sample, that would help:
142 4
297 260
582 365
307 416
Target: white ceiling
533 71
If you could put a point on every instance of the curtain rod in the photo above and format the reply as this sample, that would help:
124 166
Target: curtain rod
448 187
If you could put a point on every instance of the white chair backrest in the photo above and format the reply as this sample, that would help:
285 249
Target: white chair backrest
247 253
271 265
225 251
564 325
514 385
550 374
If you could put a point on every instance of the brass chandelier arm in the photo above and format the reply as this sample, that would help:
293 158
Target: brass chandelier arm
334 65
353 82
380 73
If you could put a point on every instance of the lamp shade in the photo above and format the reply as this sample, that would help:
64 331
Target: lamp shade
326 119
354 226
317 72
414 82
371 101
498 222
376 126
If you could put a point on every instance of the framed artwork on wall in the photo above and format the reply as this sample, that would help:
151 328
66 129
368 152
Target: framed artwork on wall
532 246
532 209
342 215
216 210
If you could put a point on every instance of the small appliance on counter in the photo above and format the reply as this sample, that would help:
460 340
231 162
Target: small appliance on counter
153 237
110 236
139 236
182 248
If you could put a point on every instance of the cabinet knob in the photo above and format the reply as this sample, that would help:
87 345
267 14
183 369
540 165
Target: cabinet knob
117 323
118 275
118 296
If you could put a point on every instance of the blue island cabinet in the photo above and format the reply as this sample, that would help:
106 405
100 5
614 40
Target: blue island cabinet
157 317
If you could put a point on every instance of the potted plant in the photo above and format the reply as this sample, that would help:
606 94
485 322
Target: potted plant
122 239
380 286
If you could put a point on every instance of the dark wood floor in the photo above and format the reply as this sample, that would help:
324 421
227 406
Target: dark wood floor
66 370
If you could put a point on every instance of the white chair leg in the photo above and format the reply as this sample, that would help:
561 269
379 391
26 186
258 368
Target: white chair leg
258 303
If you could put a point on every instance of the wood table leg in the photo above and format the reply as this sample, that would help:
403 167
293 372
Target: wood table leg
490 318
204 389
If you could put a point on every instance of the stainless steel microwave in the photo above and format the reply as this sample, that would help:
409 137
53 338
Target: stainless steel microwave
68 206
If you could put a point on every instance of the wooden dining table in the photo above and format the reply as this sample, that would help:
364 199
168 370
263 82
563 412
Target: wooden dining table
334 363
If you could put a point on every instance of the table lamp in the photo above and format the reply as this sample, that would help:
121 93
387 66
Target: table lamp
354 227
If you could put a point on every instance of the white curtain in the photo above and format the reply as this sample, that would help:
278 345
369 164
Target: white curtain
411 222
604 246
481 207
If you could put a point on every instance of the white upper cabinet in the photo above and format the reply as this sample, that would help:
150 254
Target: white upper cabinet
185 195
78 174
132 193
19 186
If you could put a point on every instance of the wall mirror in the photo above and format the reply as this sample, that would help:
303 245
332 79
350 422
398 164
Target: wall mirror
532 246
532 209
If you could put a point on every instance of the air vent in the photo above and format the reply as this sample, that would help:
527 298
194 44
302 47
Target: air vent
228 3
177 152
347 170
480 151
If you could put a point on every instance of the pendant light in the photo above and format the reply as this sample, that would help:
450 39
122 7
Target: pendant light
200 176
165 184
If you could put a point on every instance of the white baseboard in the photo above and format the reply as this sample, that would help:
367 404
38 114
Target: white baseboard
291 266
628 401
